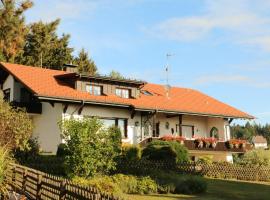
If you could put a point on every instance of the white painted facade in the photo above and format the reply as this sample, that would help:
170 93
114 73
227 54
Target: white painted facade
48 133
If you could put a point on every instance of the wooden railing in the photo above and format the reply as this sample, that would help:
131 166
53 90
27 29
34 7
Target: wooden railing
38 185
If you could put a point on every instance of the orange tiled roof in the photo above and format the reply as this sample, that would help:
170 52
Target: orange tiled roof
43 83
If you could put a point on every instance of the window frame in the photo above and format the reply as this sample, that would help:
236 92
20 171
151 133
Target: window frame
116 123
122 94
5 92
179 127
92 91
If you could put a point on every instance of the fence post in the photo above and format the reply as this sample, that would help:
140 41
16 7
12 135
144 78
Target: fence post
13 177
25 173
39 187
63 190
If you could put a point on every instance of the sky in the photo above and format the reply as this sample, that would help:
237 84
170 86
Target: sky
220 47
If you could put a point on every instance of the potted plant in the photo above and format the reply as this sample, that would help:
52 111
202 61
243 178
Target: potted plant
180 139
199 143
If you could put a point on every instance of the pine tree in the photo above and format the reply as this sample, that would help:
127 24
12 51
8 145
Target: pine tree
85 64
12 28
45 48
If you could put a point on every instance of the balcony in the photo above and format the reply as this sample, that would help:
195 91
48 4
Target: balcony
192 146
30 107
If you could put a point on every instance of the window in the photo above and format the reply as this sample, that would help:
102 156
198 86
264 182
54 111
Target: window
120 123
94 89
147 93
124 93
7 95
25 96
187 131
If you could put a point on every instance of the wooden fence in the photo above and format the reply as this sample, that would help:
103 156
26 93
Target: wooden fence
38 185
214 170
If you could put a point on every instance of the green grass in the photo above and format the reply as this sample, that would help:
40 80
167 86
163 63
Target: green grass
219 190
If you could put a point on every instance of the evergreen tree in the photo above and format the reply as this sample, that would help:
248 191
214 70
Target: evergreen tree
12 28
85 64
45 48
116 75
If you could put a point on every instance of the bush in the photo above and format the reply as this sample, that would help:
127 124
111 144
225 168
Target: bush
206 159
256 158
171 182
62 150
32 150
16 127
5 160
131 153
92 147
170 151
120 183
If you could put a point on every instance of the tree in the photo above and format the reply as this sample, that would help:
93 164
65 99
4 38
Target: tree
44 48
116 75
12 28
256 158
91 147
15 127
85 64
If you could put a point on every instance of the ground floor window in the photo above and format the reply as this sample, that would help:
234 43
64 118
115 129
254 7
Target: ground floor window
186 131
120 123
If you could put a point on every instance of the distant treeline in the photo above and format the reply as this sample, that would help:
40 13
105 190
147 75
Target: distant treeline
249 130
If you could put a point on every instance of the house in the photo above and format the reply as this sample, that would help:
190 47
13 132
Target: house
141 110
259 142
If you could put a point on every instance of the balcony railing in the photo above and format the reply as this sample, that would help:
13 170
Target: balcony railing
30 107
191 145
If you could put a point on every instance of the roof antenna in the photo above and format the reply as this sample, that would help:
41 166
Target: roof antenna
167 86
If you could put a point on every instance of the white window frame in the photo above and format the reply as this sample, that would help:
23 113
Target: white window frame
122 92
92 89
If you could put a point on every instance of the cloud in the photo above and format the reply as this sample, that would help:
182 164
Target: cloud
239 21
66 10
232 79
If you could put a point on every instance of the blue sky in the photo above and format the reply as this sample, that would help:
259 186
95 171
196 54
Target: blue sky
221 47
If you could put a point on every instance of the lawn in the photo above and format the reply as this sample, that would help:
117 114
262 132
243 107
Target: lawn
219 189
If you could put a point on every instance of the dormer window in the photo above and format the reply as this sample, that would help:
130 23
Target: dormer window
94 89
123 93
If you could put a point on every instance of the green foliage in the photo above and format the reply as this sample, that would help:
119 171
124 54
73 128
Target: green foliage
62 150
5 160
171 151
132 153
85 64
15 127
120 183
172 182
116 75
45 48
12 28
33 150
92 147
256 158
206 159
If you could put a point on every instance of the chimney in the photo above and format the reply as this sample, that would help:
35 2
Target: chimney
70 68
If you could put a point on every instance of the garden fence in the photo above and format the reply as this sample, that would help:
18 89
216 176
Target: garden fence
38 185
214 170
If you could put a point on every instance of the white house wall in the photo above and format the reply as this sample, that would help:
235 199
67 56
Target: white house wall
46 127
9 84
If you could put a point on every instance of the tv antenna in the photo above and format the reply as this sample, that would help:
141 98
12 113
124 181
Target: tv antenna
167 68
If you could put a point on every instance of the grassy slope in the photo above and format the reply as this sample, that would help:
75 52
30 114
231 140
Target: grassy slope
219 190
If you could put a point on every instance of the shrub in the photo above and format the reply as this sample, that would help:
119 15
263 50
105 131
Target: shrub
207 159
16 127
5 160
171 151
120 183
92 147
62 150
256 158
32 150
132 153
171 182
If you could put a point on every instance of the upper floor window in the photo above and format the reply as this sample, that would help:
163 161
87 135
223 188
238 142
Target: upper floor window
124 93
94 89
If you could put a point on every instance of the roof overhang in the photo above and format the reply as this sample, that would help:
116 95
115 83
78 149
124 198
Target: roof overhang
65 100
